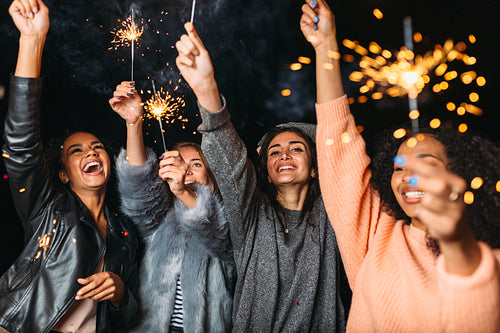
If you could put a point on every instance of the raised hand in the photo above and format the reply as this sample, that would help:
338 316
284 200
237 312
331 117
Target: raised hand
317 23
127 102
442 207
102 286
196 67
173 170
31 17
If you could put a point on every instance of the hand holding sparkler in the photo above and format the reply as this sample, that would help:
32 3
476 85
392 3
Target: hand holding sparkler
318 26
318 23
196 67
128 104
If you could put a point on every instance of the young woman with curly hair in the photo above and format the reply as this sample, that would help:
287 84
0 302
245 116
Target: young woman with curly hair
399 283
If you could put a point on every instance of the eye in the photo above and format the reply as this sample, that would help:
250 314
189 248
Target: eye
273 153
99 146
74 151
197 165
298 149
398 168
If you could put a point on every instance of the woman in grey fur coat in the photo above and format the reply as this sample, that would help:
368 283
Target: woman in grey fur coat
187 273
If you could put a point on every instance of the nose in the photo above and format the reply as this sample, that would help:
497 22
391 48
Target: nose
188 171
284 156
91 152
407 176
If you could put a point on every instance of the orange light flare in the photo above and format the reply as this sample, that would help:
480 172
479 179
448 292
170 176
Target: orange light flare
127 33
399 73
164 105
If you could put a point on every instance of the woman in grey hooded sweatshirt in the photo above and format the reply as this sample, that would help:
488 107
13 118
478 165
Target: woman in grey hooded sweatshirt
186 280
286 253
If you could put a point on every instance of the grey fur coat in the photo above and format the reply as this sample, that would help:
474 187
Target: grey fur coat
193 243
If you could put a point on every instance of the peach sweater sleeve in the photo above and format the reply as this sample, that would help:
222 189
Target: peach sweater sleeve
352 205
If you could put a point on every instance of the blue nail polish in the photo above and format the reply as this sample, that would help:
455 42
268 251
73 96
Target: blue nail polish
413 181
399 160
315 27
313 3
316 19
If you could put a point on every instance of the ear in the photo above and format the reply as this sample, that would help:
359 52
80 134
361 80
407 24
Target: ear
63 176
269 180
258 149
313 173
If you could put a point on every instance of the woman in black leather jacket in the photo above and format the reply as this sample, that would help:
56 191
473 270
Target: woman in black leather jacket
78 267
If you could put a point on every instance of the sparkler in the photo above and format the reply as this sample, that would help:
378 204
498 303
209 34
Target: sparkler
410 73
411 77
192 11
162 104
128 35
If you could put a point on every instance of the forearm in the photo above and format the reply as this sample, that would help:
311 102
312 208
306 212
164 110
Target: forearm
328 75
136 153
208 96
29 60
187 196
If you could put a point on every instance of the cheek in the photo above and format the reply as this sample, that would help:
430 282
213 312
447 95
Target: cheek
395 180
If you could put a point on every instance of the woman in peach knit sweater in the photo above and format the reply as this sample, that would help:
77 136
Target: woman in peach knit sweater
401 283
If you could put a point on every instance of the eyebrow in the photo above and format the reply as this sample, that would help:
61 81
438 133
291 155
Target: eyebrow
81 144
289 143
427 155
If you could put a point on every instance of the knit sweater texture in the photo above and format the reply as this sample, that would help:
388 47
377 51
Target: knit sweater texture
286 282
178 241
398 284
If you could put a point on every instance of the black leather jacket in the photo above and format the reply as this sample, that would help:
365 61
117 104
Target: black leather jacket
62 242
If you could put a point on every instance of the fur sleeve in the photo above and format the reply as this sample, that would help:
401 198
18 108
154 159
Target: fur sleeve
145 197
206 222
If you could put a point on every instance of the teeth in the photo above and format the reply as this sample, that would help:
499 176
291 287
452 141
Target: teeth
414 194
91 164
287 167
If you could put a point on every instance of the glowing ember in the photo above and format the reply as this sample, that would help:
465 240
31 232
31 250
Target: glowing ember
163 105
128 33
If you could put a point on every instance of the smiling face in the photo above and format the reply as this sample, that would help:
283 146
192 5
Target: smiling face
429 150
196 173
86 163
289 160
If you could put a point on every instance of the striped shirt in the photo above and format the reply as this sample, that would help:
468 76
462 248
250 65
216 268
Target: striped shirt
177 319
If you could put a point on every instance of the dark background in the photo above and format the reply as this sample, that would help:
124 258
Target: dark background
252 44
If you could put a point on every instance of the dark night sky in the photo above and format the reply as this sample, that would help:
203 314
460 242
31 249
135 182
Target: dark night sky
252 44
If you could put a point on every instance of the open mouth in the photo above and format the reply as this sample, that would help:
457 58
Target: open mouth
92 167
413 194
286 167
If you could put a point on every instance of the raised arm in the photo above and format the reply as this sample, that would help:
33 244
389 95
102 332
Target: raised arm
352 206
32 20
318 26
223 148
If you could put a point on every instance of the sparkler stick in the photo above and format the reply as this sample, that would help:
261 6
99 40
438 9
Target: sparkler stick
412 89
192 11
159 119
132 49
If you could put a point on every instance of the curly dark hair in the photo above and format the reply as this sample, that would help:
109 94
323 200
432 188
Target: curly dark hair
262 175
52 152
470 156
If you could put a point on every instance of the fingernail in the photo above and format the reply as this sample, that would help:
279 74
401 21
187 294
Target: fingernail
316 19
315 27
132 84
313 3
130 95
35 10
133 91
413 181
399 160
161 157
119 98
77 298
